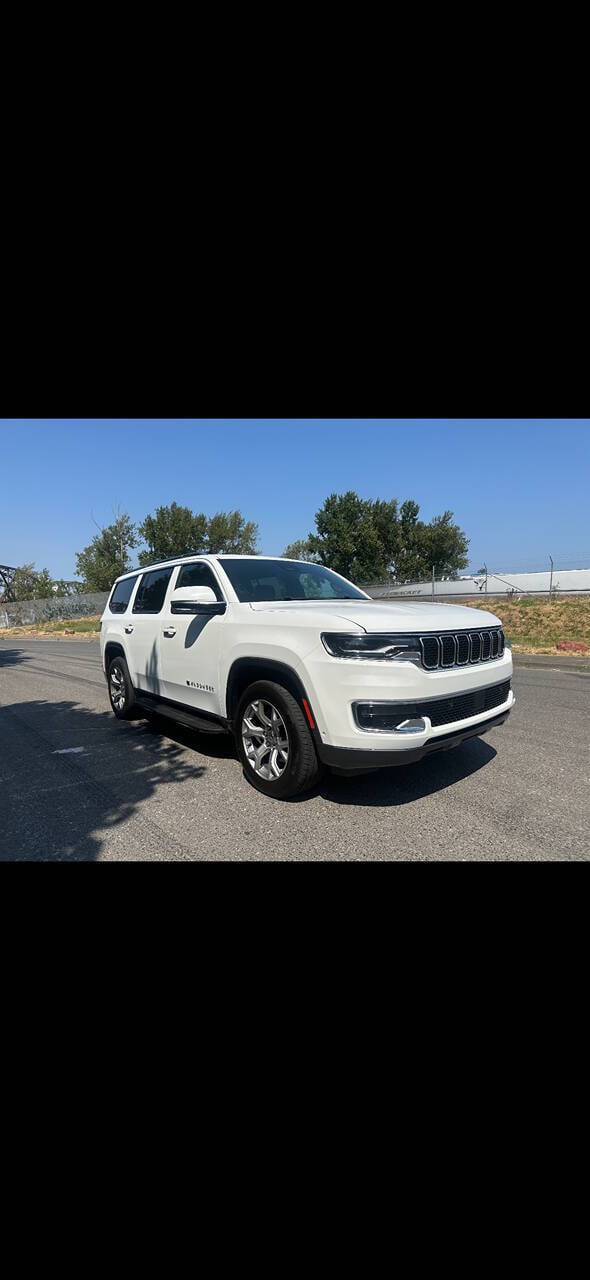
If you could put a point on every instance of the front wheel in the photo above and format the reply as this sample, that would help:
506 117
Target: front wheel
274 742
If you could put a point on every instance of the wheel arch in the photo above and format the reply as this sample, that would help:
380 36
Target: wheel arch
113 650
245 671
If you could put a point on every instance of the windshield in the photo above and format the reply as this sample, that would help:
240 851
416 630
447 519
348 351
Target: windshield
286 580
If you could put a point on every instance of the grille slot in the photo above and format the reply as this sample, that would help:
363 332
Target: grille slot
475 646
462 649
485 646
384 717
447 645
430 651
494 644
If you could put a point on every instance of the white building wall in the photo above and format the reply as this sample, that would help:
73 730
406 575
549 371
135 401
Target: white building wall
564 581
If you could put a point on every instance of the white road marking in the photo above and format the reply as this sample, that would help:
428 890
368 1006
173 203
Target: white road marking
67 751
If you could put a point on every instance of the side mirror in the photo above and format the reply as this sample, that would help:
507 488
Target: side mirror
196 600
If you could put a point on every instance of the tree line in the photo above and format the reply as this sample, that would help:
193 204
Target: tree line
370 540
366 540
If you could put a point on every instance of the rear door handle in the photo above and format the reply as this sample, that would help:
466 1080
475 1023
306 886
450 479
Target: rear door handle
169 631
129 630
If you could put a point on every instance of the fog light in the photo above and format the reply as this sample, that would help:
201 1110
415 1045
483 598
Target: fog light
416 725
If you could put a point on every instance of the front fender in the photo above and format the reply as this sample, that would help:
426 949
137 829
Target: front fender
271 662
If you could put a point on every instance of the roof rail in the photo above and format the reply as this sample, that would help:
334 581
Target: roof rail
180 555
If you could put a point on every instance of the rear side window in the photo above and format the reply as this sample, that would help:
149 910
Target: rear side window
198 575
152 590
122 595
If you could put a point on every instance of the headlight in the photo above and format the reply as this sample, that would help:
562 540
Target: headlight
383 648
507 644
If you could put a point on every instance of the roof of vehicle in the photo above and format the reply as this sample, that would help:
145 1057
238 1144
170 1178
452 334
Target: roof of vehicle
201 555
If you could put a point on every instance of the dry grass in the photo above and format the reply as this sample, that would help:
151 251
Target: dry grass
535 624
87 627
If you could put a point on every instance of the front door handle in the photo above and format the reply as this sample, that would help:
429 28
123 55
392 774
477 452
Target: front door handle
169 631
129 630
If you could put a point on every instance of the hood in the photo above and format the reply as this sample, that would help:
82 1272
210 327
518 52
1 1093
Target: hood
389 616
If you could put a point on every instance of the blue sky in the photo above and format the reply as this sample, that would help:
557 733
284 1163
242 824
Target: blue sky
520 489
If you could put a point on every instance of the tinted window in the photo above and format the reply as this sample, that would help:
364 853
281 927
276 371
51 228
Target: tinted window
198 575
152 589
286 580
122 595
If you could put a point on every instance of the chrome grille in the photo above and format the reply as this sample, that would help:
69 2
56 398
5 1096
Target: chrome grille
459 649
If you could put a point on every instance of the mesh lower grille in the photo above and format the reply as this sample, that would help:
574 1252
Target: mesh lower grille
439 710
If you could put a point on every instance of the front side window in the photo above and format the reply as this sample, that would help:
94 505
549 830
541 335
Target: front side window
152 591
122 595
198 575
286 580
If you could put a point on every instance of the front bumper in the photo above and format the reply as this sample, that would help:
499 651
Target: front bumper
334 687
355 760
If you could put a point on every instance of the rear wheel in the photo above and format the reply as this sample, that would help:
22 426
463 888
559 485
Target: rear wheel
121 691
274 742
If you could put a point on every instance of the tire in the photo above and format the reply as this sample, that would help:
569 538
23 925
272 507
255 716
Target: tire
118 678
291 769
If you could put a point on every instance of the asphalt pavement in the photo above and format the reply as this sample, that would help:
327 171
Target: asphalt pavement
77 784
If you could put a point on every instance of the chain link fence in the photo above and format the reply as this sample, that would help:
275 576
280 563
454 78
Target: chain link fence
55 609
551 583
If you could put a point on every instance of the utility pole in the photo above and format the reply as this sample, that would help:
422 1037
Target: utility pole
486 585
551 579
433 582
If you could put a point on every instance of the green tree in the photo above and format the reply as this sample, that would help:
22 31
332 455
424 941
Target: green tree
107 556
30 583
445 546
229 532
172 531
385 521
371 540
300 550
355 536
410 562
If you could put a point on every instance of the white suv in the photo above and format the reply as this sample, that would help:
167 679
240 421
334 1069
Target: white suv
300 666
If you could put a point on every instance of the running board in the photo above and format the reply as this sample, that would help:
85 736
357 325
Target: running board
172 711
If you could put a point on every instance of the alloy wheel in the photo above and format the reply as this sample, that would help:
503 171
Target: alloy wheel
117 688
265 740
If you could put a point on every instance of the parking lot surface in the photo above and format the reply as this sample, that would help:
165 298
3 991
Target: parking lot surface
77 784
